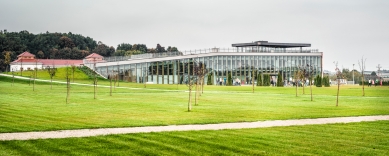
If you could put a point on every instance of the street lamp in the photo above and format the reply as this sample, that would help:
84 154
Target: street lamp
353 75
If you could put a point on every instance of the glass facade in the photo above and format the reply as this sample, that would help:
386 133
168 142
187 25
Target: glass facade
241 66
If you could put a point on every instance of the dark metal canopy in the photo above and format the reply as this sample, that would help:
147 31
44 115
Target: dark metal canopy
271 44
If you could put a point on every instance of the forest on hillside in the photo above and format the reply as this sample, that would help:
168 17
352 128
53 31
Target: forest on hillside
63 46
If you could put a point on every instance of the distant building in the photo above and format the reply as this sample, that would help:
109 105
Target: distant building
27 61
240 62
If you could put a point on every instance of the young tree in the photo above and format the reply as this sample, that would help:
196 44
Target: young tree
338 77
297 77
310 73
95 78
253 75
73 70
51 72
35 73
67 76
191 83
303 72
362 65
110 83
7 59
13 77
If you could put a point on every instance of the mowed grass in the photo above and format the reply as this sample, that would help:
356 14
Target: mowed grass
365 138
22 109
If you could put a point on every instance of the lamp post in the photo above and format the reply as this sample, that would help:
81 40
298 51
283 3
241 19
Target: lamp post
353 75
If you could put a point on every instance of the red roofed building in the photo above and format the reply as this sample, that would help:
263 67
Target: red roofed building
27 61
92 58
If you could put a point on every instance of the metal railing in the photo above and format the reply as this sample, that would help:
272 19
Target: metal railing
205 51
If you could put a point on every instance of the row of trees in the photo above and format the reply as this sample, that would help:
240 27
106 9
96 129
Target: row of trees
126 49
64 46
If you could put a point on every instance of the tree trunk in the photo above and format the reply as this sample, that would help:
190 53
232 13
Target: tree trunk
296 83
13 77
33 85
94 88
190 97
51 82
67 86
110 86
202 85
196 93
310 82
363 85
337 95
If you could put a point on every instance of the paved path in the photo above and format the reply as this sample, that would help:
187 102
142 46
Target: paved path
221 126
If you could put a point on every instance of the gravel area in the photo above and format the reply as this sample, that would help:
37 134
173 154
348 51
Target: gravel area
221 126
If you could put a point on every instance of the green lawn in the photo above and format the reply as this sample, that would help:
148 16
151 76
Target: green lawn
365 138
22 109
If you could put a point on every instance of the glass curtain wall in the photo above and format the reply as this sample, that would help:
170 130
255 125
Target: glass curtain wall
239 66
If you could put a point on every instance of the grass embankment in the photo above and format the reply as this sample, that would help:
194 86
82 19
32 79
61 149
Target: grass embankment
22 109
366 138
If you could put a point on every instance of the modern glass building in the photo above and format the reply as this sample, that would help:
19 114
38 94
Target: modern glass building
240 60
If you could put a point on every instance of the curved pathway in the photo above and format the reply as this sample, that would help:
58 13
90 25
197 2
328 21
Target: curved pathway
221 126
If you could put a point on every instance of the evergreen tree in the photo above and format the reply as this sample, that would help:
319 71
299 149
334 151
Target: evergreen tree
326 80
209 81
279 80
266 80
259 80
229 79
318 81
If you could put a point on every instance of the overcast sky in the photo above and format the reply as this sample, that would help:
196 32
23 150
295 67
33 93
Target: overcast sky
343 30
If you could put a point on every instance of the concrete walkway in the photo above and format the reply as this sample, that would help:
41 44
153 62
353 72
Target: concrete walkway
221 126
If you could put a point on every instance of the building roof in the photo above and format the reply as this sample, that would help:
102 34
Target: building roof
49 62
94 55
271 44
26 54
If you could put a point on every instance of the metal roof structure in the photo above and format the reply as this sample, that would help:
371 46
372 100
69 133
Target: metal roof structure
271 44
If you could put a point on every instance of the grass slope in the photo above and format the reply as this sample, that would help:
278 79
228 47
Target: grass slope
366 138
22 109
